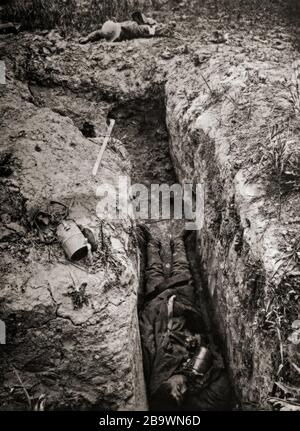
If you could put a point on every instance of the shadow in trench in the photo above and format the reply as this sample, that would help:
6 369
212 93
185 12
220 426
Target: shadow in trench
208 310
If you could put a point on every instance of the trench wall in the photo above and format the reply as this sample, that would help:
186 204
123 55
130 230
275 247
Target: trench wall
72 330
219 123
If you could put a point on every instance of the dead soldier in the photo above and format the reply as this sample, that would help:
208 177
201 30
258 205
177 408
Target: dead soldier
139 27
182 368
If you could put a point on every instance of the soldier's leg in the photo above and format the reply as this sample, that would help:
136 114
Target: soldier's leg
217 396
92 37
154 268
154 272
180 262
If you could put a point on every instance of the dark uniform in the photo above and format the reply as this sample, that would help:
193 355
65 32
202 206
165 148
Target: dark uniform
170 322
133 30
128 30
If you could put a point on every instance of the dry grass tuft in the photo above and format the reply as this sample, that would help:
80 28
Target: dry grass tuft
293 88
278 163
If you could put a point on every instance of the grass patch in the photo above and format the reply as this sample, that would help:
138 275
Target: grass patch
293 88
87 15
278 163
66 15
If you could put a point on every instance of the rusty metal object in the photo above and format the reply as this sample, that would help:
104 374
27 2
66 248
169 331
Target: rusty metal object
72 240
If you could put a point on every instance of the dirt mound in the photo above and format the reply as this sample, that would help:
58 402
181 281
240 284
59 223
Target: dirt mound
72 333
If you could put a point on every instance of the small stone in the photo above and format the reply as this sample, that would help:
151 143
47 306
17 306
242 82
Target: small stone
167 55
5 218
98 380
262 76
46 51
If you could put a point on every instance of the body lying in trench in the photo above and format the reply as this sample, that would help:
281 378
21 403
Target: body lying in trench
183 370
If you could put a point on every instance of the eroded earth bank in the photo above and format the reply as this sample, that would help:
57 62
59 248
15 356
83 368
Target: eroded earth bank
224 115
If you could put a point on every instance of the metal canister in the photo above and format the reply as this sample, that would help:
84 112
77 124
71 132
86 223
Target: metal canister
72 240
202 361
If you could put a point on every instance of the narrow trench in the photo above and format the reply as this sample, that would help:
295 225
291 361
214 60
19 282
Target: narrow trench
140 126
142 129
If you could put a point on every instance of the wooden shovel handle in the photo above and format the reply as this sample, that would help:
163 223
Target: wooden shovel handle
103 146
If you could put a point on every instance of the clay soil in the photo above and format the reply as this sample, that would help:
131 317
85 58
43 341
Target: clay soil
125 81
